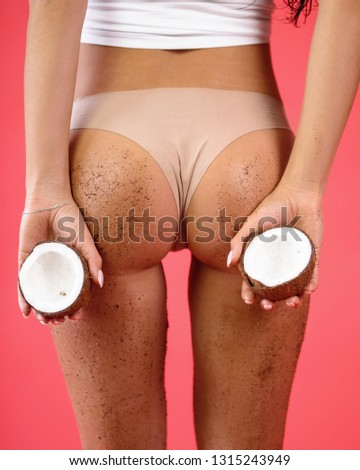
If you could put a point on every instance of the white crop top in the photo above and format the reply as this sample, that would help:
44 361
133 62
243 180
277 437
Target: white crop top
162 24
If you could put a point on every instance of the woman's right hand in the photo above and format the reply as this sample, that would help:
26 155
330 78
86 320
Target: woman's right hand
46 225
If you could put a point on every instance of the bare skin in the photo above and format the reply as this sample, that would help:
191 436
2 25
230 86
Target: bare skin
245 357
232 340
234 68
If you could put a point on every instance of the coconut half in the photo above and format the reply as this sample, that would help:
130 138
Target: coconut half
54 279
278 263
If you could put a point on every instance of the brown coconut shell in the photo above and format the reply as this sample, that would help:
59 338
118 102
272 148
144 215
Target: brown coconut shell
285 290
82 299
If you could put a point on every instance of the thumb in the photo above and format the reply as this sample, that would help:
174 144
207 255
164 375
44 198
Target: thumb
23 305
89 251
254 224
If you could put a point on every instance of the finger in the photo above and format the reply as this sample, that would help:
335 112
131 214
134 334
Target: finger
75 316
311 287
247 293
313 283
237 242
294 302
57 321
42 319
267 304
91 254
24 306
250 227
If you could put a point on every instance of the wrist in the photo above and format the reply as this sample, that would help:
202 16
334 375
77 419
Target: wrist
38 197
44 177
48 188
301 195
298 183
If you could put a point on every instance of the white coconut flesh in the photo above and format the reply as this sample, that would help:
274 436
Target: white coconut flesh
277 255
51 278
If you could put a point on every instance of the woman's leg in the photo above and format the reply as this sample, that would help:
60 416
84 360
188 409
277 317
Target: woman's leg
245 357
113 357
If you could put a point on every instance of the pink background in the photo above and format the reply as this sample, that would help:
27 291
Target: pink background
324 409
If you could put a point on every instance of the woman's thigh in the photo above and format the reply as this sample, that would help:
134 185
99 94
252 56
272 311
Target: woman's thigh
245 357
113 357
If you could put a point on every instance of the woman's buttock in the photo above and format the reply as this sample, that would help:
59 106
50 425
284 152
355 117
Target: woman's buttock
148 127
183 128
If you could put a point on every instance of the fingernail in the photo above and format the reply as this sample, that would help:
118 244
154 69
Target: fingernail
229 258
290 304
267 306
75 316
100 278
24 315
248 301
42 322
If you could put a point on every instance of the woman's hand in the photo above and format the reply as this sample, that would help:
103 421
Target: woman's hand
45 225
284 206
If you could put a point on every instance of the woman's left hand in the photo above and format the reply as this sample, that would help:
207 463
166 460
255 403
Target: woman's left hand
303 208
